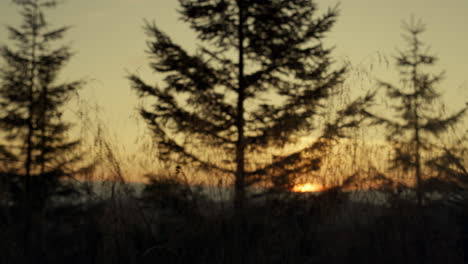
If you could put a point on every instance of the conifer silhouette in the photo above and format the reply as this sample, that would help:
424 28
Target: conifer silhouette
257 83
415 126
32 98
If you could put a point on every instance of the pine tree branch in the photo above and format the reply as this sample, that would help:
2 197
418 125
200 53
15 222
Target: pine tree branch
436 126
168 147
185 122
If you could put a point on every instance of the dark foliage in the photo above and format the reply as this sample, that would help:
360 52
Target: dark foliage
173 195
416 127
257 84
39 159
32 100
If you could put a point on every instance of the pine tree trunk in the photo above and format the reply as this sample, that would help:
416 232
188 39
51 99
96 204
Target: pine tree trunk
28 164
417 139
418 163
42 225
29 247
239 192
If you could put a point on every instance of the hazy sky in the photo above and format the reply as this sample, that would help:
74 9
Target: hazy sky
109 41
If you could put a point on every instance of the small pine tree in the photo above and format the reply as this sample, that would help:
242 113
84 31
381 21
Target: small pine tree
256 85
415 127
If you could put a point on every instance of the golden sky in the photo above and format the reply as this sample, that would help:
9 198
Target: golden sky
109 42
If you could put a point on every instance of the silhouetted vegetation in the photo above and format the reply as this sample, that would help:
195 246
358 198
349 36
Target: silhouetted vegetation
257 85
39 157
418 126
249 114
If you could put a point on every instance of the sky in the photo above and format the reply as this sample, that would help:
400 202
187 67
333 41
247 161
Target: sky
109 41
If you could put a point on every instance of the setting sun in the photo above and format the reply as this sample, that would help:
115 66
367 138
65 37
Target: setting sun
307 187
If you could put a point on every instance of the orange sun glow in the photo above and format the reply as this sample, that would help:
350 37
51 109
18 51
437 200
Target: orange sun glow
307 187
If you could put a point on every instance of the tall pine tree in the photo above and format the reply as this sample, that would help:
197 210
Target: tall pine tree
40 155
415 127
256 84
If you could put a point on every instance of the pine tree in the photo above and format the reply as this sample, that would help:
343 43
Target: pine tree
32 99
256 84
415 126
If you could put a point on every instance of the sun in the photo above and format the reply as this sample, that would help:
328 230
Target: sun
307 187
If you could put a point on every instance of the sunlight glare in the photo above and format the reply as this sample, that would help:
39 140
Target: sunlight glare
307 187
